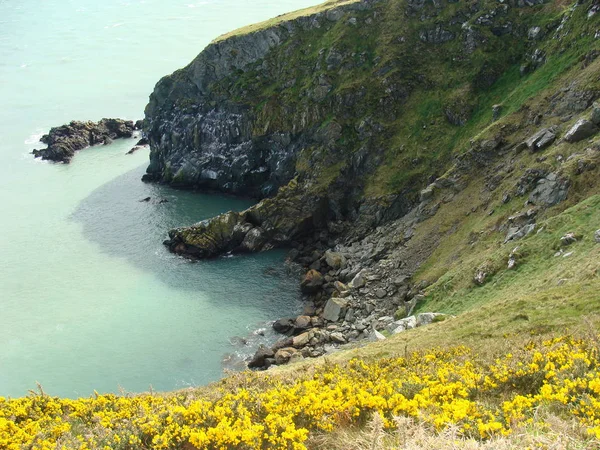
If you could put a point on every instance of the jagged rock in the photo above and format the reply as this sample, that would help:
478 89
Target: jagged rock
254 240
65 140
260 356
338 338
480 277
597 236
380 293
427 318
568 239
312 282
377 336
301 340
334 309
550 191
541 139
283 355
408 323
582 129
335 260
302 322
283 325
515 233
360 280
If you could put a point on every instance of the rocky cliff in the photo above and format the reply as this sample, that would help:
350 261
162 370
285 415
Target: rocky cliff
396 145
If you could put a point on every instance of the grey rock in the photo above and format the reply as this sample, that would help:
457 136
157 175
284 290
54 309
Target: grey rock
260 356
568 239
377 336
359 280
582 129
597 236
254 240
427 193
480 277
595 118
381 293
408 323
334 309
427 318
515 233
541 139
549 191
338 338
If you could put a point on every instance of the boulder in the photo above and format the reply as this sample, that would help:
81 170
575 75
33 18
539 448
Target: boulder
480 277
377 336
597 236
302 322
258 360
568 239
549 191
283 325
334 309
359 280
541 139
408 323
301 340
312 282
254 240
582 129
381 293
335 260
283 355
515 233
338 338
427 318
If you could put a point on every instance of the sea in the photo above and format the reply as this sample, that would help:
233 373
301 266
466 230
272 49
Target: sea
90 299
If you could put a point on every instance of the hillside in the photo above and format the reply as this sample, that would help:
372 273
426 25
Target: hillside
434 167
417 157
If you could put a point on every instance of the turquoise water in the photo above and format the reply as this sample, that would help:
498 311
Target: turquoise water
89 297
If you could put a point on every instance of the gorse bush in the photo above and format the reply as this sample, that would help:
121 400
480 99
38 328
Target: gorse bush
438 388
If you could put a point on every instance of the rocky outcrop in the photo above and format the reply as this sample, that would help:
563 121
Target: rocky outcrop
345 127
65 140
205 130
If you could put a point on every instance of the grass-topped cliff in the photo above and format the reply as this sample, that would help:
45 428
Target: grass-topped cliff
417 157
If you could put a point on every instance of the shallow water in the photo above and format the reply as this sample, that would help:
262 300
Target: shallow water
89 297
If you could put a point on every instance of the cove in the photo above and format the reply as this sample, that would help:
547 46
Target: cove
89 297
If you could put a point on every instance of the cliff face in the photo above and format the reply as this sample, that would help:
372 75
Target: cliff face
208 130
344 113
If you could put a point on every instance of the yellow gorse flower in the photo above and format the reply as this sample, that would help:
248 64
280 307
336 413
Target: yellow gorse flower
440 387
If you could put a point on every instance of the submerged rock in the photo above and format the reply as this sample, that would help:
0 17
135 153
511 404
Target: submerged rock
65 140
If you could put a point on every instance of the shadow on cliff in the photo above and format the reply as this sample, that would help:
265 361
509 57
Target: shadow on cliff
124 223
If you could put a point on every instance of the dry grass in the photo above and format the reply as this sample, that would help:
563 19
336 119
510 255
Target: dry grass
560 434
284 18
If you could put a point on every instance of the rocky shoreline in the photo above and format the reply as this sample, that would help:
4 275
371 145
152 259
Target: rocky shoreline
65 140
